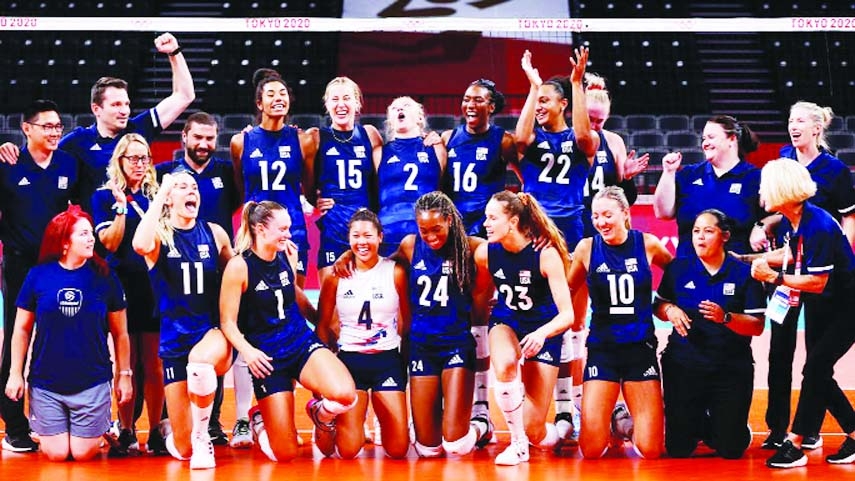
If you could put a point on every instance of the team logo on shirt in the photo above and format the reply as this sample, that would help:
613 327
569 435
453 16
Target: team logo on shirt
349 294
204 251
218 182
567 147
420 266
499 274
69 300
481 153
543 145
736 189
729 289
256 154
62 182
603 269
602 158
173 253
689 285
631 264
332 151
393 159
423 157
698 182
299 266
446 267
24 181
525 277
284 151
284 278
261 286
359 150
376 293
95 147
452 154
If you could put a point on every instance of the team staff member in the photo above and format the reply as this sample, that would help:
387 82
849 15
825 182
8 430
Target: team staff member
707 367
32 192
819 272
118 207
263 313
532 311
75 301
616 263
185 258
363 317
215 178
112 109
274 161
725 181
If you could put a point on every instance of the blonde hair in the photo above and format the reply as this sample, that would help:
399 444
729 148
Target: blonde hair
116 174
252 215
422 123
618 195
345 82
595 90
533 221
165 231
820 115
784 181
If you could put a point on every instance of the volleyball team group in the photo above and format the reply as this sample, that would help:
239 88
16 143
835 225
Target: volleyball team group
431 274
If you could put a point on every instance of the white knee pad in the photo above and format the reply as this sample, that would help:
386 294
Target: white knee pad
567 347
551 438
427 451
170 447
335 408
482 342
509 395
577 340
201 378
461 446
264 444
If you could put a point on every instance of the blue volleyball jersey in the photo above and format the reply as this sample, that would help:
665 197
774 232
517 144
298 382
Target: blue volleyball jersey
124 260
476 171
70 351
620 286
345 172
825 249
736 193
217 190
710 345
524 294
269 316
186 283
601 174
272 164
834 192
554 171
440 311
408 169
31 196
95 151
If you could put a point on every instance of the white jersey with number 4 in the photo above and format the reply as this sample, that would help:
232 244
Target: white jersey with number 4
367 306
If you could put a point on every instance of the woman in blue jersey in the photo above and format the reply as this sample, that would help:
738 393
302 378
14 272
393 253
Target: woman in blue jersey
363 317
118 207
532 311
75 301
835 195
817 270
406 169
263 313
274 161
616 264
343 168
707 367
185 259
725 181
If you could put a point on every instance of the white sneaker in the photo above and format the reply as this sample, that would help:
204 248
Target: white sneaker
514 454
203 453
241 435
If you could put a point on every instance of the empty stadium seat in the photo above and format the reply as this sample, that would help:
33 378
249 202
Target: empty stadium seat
236 122
641 122
306 121
646 140
682 140
847 156
506 121
671 123
615 122
840 140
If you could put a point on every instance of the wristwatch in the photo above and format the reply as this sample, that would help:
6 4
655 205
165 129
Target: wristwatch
120 209
727 318
126 372
780 279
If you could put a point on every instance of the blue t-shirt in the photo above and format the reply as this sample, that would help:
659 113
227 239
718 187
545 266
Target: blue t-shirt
31 196
710 345
736 193
186 283
554 171
272 164
408 170
95 151
620 286
440 311
476 171
70 352
124 260
217 190
269 316
834 192
524 294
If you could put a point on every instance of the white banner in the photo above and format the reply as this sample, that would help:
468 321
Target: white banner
458 8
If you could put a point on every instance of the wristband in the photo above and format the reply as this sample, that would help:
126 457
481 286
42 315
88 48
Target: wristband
120 209
727 318
176 51
780 279
126 372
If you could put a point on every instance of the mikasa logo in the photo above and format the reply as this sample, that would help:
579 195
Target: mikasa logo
69 300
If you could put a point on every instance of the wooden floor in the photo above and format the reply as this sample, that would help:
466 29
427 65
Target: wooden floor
622 464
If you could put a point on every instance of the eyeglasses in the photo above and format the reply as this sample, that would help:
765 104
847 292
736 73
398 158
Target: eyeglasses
48 127
136 159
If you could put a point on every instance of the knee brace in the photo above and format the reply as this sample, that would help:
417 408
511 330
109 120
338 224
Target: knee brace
461 446
427 451
201 379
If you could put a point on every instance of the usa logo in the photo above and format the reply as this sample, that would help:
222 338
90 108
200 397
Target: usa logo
69 300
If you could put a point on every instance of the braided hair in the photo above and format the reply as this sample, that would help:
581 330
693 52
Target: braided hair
457 244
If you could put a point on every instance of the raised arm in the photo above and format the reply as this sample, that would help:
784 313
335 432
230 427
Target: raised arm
183 92
525 124
665 197
146 242
586 138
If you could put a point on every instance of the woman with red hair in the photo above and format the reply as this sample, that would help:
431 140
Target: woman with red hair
76 301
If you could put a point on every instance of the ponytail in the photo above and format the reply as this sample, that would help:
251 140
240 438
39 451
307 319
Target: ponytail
253 214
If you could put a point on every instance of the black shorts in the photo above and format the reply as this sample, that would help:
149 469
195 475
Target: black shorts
622 362
379 371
